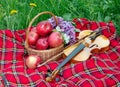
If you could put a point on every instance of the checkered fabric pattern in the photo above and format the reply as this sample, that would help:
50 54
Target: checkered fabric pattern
100 70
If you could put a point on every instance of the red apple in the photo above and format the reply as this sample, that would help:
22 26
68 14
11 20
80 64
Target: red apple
34 29
32 61
32 37
42 43
55 39
44 28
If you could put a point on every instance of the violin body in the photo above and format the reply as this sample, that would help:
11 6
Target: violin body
69 49
100 44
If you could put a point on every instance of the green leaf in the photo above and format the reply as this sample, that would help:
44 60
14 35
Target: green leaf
77 30
107 18
74 24
67 16
66 38
99 16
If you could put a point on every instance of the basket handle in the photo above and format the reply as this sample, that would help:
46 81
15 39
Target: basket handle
31 22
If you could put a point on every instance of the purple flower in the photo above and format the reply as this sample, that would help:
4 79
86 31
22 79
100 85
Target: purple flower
65 26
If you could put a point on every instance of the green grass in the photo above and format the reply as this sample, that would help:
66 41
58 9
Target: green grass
97 10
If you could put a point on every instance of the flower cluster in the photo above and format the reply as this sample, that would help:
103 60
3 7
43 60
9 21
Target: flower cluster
66 28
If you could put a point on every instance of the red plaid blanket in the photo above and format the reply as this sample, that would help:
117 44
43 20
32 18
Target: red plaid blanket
100 70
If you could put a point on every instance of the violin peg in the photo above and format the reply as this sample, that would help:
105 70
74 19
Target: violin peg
61 74
48 79
57 79
46 75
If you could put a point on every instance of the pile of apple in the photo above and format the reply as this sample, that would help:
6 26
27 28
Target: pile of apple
42 37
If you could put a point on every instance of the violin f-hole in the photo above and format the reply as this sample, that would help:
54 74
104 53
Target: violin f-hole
93 45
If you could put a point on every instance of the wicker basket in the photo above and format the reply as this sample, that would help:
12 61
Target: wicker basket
44 54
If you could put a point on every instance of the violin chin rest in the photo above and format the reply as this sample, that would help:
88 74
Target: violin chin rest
104 49
95 51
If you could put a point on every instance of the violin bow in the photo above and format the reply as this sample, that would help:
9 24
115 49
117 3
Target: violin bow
80 47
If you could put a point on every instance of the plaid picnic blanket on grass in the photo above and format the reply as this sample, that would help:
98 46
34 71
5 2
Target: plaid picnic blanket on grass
100 70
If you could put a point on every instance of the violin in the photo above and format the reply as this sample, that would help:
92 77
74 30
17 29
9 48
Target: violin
100 44
88 42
